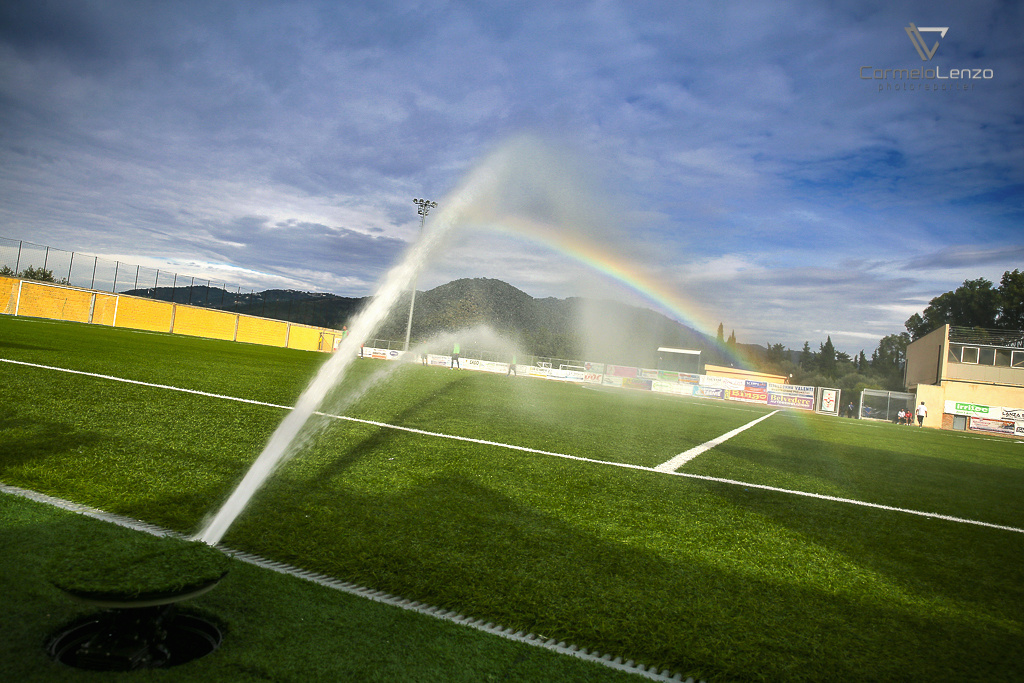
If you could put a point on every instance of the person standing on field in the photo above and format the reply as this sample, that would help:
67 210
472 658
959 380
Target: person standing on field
922 413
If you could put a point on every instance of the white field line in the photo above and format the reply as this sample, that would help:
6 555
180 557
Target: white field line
686 456
525 637
423 432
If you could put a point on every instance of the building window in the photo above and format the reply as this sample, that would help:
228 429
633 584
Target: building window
1017 360
1003 358
987 356
953 355
970 355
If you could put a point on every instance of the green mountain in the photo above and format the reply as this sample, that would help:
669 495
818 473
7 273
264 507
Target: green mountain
572 328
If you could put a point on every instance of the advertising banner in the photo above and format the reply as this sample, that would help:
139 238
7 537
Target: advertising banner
440 361
673 388
621 371
592 377
668 376
611 381
752 385
483 365
532 370
566 375
829 401
647 373
597 368
723 383
971 409
790 389
688 378
984 424
710 392
790 396
637 383
1015 414
746 396
783 400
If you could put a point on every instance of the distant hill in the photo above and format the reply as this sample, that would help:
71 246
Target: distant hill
307 308
573 328
576 327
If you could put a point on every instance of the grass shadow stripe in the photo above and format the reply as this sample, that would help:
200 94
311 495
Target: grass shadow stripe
352 589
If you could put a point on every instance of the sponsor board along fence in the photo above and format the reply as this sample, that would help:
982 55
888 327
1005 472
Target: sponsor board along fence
623 377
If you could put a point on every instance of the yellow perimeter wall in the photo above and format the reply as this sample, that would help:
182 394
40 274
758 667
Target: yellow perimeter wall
60 302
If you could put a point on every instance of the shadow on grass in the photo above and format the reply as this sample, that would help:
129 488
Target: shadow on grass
973 490
276 627
451 541
974 566
23 440
6 344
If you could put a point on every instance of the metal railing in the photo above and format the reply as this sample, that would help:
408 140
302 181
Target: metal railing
1013 339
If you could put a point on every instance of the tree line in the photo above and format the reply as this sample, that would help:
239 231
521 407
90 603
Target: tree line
976 303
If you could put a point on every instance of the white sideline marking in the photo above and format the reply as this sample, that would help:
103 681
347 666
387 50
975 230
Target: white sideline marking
527 638
719 480
686 456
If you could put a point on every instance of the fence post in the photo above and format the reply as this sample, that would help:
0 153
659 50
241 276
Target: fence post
137 276
71 265
17 263
117 267
190 285
95 260
174 287
46 257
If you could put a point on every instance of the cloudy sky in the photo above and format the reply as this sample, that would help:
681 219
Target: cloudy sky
756 167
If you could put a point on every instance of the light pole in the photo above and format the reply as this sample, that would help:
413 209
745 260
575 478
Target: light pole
425 205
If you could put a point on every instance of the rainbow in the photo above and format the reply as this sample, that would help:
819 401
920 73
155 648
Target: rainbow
613 265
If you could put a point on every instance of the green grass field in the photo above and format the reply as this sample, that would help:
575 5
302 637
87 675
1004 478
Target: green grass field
713 580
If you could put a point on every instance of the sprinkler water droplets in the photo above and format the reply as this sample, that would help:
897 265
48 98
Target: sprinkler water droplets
522 179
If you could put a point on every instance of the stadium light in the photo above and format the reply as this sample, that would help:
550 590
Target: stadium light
424 207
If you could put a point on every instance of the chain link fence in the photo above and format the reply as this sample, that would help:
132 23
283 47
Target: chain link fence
19 258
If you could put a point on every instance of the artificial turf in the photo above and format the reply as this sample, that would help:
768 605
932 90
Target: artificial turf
710 579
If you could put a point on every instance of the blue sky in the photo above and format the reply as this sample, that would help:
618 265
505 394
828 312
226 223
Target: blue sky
751 167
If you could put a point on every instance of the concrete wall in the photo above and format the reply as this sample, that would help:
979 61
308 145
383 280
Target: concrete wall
926 358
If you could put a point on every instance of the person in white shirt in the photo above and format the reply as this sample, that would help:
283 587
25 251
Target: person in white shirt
922 413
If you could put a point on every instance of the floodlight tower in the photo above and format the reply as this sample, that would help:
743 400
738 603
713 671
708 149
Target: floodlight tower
424 207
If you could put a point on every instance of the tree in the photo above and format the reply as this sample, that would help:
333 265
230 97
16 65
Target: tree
827 358
888 360
806 357
731 341
973 304
721 333
776 353
1011 301
30 273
